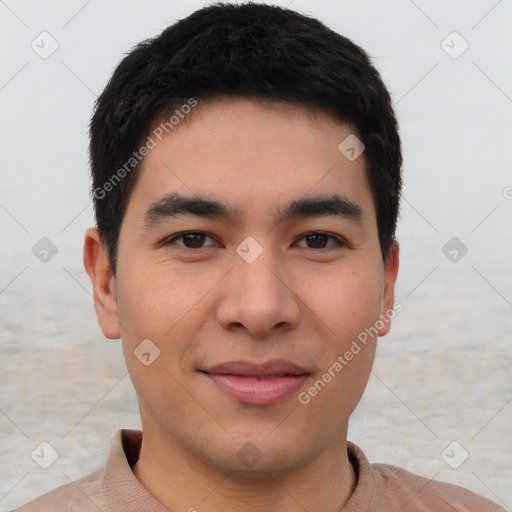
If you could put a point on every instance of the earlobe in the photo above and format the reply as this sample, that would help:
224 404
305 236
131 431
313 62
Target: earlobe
390 275
103 283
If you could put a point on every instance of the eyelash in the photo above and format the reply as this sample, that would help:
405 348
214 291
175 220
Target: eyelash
338 241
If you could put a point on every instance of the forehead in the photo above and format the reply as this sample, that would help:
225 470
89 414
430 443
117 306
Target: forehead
244 152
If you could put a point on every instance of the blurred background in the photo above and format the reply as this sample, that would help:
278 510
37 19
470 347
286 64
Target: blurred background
439 402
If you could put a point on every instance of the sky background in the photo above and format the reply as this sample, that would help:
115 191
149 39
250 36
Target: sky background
441 376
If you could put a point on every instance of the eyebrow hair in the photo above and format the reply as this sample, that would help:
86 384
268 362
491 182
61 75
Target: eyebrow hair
171 205
317 206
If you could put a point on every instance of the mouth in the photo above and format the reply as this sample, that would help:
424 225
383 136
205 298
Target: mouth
257 384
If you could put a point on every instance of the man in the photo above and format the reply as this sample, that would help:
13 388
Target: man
246 180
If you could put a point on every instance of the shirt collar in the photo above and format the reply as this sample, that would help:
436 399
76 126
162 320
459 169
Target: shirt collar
121 490
119 487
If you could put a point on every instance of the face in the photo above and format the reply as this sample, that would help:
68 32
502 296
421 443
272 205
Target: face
250 242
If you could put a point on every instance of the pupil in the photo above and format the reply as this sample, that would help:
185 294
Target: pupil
317 240
193 240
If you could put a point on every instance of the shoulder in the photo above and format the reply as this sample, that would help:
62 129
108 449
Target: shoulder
385 488
113 487
82 495
396 486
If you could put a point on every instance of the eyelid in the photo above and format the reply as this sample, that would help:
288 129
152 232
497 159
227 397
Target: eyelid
340 241
171 239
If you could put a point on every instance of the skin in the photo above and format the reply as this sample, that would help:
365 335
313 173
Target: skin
201 306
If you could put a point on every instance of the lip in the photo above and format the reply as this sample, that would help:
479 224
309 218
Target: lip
257 384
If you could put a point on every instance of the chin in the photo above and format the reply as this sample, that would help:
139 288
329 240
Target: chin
256 459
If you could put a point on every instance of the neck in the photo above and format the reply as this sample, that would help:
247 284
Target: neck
179 480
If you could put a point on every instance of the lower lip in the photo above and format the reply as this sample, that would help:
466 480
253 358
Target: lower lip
250 390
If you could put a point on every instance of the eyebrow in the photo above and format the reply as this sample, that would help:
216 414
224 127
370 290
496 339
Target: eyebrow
174 204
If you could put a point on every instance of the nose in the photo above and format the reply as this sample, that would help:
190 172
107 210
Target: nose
258 297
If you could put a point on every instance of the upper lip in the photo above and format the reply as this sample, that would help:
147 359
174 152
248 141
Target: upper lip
274 367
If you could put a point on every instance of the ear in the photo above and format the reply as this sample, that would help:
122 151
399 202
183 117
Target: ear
103 283
390 273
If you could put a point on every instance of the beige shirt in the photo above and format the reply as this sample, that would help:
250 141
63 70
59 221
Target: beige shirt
380 488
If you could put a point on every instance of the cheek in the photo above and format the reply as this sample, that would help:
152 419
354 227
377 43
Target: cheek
167 307
346 302
152 302
347 308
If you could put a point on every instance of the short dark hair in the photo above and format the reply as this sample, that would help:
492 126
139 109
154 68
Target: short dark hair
248 50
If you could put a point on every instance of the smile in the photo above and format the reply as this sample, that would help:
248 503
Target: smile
257 384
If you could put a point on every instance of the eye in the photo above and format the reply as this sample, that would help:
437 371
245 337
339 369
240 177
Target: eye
191 240
319 240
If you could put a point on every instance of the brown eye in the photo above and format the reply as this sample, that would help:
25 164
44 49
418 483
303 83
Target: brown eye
317 240
191 240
